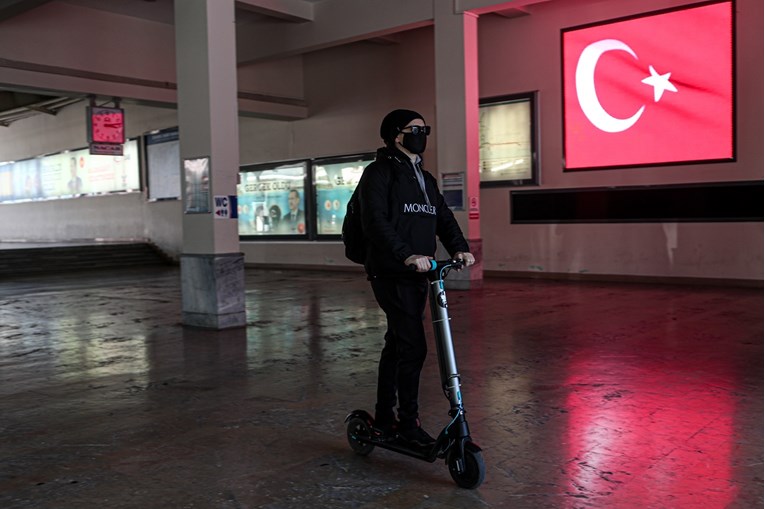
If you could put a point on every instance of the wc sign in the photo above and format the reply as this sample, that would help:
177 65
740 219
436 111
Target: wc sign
225 207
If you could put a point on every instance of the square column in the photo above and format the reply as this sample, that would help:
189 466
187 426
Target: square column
212 266
457 129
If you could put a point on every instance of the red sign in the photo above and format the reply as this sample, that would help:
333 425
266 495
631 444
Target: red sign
650 90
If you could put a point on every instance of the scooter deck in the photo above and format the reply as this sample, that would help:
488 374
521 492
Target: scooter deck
398 444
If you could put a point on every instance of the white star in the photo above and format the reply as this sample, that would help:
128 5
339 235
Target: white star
659 82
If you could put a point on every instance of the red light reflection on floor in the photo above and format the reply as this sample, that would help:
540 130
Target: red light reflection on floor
648 434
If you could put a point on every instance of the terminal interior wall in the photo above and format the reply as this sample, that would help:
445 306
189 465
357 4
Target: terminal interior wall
349 88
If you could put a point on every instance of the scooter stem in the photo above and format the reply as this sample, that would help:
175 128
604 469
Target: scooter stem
447 362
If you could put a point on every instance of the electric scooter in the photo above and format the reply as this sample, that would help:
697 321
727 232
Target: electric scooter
453 444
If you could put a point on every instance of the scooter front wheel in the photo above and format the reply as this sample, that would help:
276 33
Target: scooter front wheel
473 470
357 430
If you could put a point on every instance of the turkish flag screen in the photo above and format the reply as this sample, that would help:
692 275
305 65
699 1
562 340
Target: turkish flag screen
650 90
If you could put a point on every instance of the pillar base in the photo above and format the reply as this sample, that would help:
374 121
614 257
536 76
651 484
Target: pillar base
212 290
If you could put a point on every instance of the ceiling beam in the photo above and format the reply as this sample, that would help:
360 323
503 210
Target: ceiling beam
64 81
11 8
291 10
493 6
335 22
42 109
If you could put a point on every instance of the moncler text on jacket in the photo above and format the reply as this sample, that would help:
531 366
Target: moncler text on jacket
419 208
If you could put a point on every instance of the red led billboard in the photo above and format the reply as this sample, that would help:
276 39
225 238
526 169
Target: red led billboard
650 90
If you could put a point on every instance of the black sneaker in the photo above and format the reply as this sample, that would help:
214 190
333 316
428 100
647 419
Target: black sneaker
385 430
417 436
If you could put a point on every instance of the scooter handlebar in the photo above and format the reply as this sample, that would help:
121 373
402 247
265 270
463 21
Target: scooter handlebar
438 265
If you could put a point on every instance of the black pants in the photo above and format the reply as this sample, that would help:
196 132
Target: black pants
401 360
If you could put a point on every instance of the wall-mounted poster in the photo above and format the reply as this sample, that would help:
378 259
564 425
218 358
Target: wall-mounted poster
6 182
70 174
197 178
26 180
163 164
334 182
453 189
272 201
507 130
651 89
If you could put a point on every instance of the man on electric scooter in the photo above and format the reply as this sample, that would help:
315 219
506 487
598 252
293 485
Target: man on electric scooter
402 211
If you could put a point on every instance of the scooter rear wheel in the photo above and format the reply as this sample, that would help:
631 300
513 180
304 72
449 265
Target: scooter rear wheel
358 429
474 471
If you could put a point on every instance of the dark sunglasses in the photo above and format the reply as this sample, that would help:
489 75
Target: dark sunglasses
416 129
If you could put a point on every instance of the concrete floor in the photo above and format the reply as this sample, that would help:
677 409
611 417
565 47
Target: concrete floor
582 395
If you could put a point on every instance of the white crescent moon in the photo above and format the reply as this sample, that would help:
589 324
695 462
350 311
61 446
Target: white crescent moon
585 87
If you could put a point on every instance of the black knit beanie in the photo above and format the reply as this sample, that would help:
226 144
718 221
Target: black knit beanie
394 121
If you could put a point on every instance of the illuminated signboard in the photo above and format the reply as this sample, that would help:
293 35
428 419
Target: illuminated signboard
70 174
272 200
650 90
334 181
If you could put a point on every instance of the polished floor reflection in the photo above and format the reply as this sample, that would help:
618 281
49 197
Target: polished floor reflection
582 395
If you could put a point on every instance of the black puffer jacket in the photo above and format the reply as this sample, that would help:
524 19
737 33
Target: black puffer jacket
396 218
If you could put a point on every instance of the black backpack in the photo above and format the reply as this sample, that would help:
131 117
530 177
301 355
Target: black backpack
353 234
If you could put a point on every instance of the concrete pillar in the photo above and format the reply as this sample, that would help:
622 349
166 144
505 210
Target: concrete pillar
456 129
212 266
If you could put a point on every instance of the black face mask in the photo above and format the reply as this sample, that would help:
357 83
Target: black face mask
415 143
